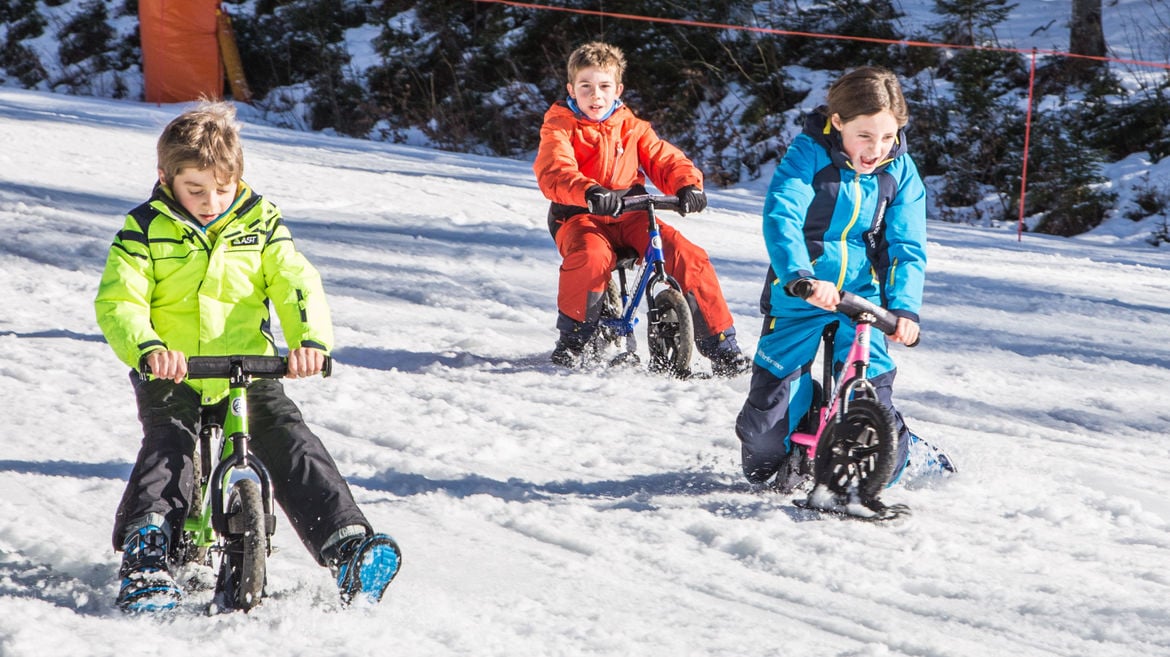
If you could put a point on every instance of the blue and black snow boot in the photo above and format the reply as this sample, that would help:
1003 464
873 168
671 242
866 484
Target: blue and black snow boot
926 459
364 567
723 351
147 584
924 462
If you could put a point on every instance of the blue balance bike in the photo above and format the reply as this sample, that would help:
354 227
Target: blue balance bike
670 332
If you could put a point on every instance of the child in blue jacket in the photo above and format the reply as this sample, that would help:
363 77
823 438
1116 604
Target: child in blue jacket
846 211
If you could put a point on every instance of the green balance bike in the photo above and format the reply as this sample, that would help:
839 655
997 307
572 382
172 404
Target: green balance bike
231 520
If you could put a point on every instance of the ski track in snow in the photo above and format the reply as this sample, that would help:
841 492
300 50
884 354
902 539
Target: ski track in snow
597 513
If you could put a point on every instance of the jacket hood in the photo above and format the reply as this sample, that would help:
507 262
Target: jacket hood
818 126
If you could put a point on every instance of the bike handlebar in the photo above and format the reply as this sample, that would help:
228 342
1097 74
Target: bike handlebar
854 306
642 201
221 367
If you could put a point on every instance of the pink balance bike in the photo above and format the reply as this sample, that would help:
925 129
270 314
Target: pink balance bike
848 436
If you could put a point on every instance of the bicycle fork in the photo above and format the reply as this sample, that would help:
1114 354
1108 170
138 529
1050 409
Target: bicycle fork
234 455
652 273
849 386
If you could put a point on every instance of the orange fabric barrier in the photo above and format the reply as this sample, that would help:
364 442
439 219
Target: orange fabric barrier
180 53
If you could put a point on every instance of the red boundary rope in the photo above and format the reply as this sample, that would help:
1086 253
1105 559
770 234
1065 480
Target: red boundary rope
816 35
893 42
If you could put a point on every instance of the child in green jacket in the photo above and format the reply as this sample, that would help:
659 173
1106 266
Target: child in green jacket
193 272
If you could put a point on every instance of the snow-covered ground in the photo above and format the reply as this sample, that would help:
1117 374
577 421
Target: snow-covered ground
543 512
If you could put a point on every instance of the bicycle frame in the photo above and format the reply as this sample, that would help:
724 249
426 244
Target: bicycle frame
652 273
853 381
233 455
854 371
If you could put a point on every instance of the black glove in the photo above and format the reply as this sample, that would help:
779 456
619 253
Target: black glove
801 287
691 199
603 201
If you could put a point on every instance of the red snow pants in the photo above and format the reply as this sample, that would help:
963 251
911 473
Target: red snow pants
587 244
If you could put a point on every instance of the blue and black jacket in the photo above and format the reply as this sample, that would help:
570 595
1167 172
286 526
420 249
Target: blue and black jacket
864 233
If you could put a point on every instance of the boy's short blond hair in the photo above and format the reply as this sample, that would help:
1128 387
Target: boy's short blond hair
597 54
205 137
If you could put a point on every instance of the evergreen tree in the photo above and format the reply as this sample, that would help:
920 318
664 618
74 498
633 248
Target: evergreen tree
973 132
968 22
857 18
87 34
461 73
1065 184
23 21
301 42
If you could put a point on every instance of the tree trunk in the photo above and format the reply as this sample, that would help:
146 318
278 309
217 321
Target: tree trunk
1086 37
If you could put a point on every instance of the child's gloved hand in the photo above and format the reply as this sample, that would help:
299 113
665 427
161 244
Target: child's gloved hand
603 201
691 199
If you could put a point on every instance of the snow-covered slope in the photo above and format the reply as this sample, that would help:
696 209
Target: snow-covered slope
551 513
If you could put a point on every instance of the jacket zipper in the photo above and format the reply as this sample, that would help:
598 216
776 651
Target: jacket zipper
845 233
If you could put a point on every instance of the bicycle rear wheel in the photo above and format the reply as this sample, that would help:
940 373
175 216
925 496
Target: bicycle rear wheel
190 551
243 571
671 333
857 453
611 308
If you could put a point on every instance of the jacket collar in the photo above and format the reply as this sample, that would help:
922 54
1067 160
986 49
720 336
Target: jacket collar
245 199
818 126
572 104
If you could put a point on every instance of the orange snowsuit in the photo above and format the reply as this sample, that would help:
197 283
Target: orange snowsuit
619 153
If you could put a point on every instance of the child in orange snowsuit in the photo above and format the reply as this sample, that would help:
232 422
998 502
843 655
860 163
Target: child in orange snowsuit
594 151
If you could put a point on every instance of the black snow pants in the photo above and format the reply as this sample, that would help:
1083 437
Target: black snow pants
306 482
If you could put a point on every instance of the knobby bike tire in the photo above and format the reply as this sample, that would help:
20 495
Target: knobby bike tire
243 571
190 551
672 338
611 308
858 453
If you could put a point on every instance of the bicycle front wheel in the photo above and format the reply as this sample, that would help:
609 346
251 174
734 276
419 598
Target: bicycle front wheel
243 571
858 451
671 333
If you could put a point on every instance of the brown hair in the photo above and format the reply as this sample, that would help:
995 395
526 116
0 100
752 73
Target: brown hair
205 137
865 91
600 55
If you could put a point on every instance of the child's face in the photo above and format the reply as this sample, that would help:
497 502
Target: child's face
202 192
867 139
595 89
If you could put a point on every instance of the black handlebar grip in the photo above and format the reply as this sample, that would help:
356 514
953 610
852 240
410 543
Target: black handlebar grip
220 367
642 201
